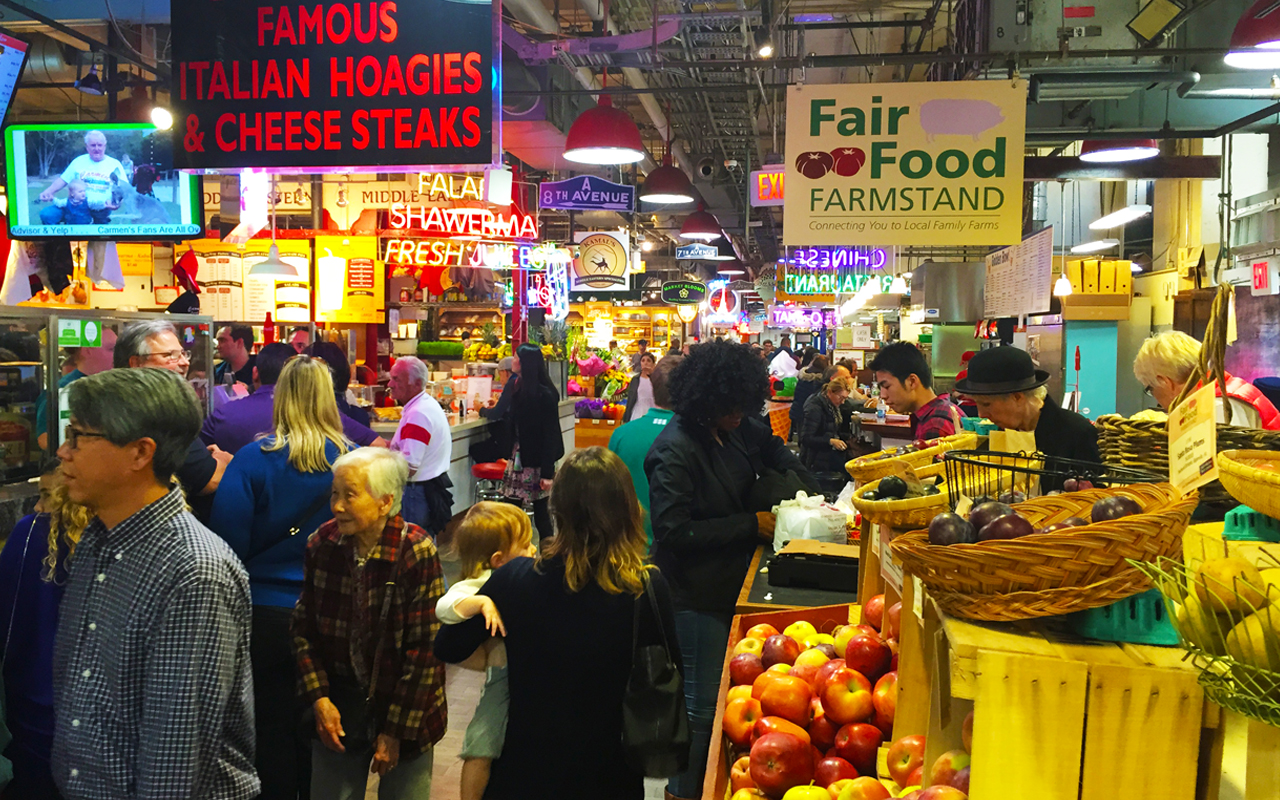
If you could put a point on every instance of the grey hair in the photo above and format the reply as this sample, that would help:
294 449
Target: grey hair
417 370
385 472
133 340
92 133
131 404
1034 396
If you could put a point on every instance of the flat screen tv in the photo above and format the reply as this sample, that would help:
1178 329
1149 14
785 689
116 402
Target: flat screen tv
107 180
13 57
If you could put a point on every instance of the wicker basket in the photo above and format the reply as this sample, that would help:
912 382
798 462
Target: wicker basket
1077 559
917 512
1258 489
877 465
1144 444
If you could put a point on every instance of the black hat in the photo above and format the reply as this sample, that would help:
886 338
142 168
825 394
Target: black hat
1001 370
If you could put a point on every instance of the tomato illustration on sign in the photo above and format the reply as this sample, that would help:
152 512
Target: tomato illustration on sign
814 164
848 160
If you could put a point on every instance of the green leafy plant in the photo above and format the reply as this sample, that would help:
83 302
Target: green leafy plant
452 350
491 334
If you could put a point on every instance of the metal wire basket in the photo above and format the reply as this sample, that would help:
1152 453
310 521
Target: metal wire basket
986 474
1232 631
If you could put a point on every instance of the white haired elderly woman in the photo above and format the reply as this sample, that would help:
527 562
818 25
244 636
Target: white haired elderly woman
1164 365
362 633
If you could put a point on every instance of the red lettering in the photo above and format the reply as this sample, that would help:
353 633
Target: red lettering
272 138
364 37
451 73
471 124
394 78
218 82
182 80
418 63
332 129
361 140
198 67
337 76
299 80
247 132
391 28
227 145
271 82
426 133
471 65
255 79
447 132
313 141
238 93
381 115
263 24
368 88
292 129
437 75
312 22
284 27
402 128
334 36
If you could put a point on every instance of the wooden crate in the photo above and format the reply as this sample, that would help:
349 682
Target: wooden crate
715 785
593 432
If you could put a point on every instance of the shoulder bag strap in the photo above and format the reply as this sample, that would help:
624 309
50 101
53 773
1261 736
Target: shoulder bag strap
320 502
657 619
386 612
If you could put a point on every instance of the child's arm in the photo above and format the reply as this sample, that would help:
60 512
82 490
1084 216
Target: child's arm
468 607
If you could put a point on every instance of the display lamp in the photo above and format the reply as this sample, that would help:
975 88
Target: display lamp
898 286
732 267
604 135
1117 150
1120 217
701 225
90 83
1255 43
273 266
162 118
1062 287
1096 246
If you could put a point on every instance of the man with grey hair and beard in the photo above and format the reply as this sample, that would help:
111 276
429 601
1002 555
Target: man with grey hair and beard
153 694
424 440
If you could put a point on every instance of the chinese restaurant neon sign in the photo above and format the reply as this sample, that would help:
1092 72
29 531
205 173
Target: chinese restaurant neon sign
807 283
839 258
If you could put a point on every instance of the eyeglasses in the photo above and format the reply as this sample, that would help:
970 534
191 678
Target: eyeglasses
73 435
170 356
1148 391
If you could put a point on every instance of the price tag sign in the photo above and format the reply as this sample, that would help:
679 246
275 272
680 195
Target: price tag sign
1193 442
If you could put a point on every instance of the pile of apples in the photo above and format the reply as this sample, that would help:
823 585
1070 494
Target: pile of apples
948 778
808 711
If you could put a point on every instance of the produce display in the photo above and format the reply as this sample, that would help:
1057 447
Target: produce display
917 454
997 519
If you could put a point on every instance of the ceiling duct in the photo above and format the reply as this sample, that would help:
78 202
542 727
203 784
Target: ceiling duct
1114 84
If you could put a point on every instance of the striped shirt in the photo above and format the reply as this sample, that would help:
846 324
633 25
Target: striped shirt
153 694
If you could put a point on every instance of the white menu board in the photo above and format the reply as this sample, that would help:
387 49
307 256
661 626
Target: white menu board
1020 277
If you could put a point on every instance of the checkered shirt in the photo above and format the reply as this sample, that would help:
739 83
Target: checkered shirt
153 692
409 697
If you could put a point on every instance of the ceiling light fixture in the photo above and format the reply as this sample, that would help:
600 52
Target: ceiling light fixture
1096 246
162 118
1255 42
701 225
733 267
604 135
1119 217
898 286
667 184
90 83
764 42
1117 150
273 266
1062 287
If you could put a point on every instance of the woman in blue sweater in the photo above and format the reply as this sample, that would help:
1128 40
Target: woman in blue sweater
274 494
33 572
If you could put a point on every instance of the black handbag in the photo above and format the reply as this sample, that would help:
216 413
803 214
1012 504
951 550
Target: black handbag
655 722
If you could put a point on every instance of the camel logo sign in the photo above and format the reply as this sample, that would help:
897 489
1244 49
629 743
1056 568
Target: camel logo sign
602 264
911 164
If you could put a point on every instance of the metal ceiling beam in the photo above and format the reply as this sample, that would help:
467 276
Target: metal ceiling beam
1055 168
159 70
936 57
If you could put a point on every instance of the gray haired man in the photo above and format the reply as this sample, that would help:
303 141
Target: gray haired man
153 695
424 440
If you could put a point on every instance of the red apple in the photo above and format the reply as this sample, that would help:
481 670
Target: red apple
873 612
762 631
916 778
966 732
868 655
847 697
943 793
744 668
736 692
740 774
780 761
765 680
821 729
767 725
780 650
836 788
832 769
885 695
865 788
859 744
824 673
885 723
946 766
905 756
961 780
892 621
740 717
787 697
866 630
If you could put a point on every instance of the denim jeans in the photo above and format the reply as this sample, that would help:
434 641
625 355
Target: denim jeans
704 637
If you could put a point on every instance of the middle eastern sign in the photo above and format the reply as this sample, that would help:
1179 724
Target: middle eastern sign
683 292
905 164
587 193
603 262
327 85
696 252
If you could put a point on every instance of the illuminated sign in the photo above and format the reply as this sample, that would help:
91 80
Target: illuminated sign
603 262
455 253
587 193
551 290
683 292
766 186
548 255
839 257
480 223
722 306
802 318
696 252
444 186
828 283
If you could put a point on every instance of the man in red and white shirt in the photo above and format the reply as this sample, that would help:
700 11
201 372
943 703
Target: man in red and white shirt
424 440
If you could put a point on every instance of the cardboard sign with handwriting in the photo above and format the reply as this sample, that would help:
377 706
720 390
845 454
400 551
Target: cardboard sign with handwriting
1193 442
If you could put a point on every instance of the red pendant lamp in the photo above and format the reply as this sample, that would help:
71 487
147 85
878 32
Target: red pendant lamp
1255 43
604 135
667 185
1117 150
701 225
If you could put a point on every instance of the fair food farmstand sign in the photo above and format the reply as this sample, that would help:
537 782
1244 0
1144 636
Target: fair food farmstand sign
905 164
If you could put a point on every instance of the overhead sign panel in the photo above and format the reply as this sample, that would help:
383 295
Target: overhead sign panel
905 164
587 193
683 292
696 252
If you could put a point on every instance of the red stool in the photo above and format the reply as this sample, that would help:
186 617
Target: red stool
489 479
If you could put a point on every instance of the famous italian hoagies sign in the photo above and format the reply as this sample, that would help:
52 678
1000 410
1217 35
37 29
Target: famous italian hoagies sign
321 85
905 163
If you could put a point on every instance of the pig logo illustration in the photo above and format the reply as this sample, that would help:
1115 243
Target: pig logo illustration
958 118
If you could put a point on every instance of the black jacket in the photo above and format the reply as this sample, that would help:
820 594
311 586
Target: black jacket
819 428
633 394
807 383
703 533
1065 434
537 429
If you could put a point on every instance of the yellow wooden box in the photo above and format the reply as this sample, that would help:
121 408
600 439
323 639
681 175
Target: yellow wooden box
593 432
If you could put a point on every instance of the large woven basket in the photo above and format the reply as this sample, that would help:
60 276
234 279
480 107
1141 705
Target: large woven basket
875 466
1144 444
1258 489
1074 559
918 512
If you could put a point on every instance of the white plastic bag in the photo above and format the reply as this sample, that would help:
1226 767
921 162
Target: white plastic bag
808 517
783 366
845 501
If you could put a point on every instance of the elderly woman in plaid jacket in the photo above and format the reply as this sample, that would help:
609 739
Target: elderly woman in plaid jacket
362 632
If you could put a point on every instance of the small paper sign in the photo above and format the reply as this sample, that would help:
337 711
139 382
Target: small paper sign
1193 442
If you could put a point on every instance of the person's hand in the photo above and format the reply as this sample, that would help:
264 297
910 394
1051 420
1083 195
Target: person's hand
329 725
220 455
45 196
386 754
545 484
492 619
838 444
765 521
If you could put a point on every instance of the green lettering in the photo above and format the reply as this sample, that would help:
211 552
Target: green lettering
987 203
885 203
925 160
994 158
972 201
944 198
878 159
896 114
834 199
855 197
852 121
907 202
961 160
815 197
816 117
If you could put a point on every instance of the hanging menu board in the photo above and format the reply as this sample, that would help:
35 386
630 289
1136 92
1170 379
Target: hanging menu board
228 292
1020 277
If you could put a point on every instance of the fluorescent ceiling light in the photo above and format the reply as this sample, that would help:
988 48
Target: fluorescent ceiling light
1096 246
1120 217
1111 152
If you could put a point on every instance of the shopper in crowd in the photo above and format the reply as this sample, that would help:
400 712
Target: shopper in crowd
1010 392
674 349
155 344
640 390
274 494
424 440
539 442
829 430
300 340
590 578
632 440
643 344
784 345
809 380
231 426
362 629
769 351
906 385
1164 365
498 445
702 470
333 355
490 535
84 361
235 348
33 574
151 676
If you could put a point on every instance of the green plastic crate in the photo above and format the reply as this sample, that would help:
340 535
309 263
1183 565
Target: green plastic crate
1243 524
1141 619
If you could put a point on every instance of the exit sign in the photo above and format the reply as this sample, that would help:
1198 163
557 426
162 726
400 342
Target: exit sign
766 186
1265 278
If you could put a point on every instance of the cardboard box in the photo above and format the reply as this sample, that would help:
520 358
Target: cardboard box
1089 273
1075 274
1107 277
1124 277
1096 307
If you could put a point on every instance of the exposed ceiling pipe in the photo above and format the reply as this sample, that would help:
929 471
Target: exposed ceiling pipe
936 57
159 70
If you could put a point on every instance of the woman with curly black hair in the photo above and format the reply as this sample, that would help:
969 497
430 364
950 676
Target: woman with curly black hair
702 471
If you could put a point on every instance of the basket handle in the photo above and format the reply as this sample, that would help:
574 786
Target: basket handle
1213 352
